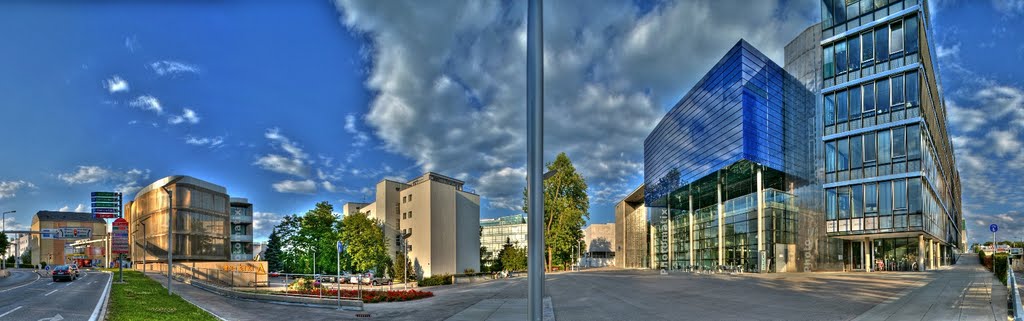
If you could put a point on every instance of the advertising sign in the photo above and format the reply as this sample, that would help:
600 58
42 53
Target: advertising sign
119 236
65 233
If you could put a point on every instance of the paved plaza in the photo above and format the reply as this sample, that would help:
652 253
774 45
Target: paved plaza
960 292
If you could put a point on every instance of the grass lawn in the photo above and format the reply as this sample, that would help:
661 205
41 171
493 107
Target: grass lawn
141 298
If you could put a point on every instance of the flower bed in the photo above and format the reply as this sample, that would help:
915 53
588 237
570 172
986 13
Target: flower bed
369 296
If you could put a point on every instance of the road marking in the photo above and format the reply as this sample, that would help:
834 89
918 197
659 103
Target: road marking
103 299
69 284
9 312
51 292
33 281
49 284
57 317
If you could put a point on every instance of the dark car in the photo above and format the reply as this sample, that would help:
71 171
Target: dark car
74 268
63 272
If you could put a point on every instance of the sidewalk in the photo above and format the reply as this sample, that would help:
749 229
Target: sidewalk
965 291
501 310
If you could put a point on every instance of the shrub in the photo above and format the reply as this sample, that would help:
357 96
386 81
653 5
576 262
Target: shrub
369 296
303 284
443 279
469 271
1000 265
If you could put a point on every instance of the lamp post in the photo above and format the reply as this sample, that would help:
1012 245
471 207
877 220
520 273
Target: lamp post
3 222
405 260
145 246
170 231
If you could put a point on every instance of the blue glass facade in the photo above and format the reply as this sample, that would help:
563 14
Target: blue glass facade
722 166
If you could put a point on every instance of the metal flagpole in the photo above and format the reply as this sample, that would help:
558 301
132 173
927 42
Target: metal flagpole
535 157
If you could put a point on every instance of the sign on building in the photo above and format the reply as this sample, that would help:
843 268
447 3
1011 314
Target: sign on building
65 233
106 204
119 236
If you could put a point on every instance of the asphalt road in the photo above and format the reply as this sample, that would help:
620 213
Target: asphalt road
26 295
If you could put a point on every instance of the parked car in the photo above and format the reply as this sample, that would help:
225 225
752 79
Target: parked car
74 268
380 280
63 272
274 274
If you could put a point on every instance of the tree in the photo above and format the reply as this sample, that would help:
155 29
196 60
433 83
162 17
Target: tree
319 230
273 255
398 269
4 244
287 230
364 243
485 259
566 207
512 257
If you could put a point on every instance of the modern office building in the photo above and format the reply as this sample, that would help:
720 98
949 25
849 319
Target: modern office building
495 232
442 219
632 232
56 248
201 215
892 189
241 230
598 245
723 168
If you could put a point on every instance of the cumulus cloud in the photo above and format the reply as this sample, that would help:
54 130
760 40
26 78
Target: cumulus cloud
359 138
263 223
328 186
116 84
298 187
187 116
204 141
12 224
449 78
147 102
127 182
9 189
81 208
170 67
295 163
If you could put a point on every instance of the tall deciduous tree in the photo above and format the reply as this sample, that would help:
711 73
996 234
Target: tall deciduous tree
364 243
566 207
318 231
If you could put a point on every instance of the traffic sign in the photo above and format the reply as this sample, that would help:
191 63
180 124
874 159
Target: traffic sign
341 247
104 199
65 233
105 210
105 204
119 236
993 228
105 194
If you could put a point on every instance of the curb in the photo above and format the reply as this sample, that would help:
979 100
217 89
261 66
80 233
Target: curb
100 313
271 299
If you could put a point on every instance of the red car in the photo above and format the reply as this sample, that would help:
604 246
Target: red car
275 274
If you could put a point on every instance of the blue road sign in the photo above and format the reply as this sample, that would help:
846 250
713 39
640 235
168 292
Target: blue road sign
993 228
341 247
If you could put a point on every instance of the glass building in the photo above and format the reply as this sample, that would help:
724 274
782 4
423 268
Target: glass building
495 232
891 187
200 214
723 169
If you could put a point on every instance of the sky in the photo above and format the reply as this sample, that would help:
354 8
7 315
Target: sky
288 103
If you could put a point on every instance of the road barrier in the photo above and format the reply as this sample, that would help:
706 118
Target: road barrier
1014 297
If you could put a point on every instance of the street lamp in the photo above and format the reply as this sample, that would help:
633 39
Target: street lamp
405 260
145 246
4 229
170 230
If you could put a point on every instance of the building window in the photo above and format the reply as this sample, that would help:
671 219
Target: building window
829 60
842 108
884 147
867 50
896 95
853 44
844 202
826 16
865 6
882 44
870 199
410 197
410 214
856 152
857 202
913 89
830 157
899 139
830 204
885 198
882 95
855 102
869 148
913 142
830 109
843 154
852 9
840 57
911 35
869 98
899 192
896 37
403 215
839 11
914 195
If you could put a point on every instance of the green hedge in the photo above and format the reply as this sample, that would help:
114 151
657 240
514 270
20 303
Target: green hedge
443 279
1000 265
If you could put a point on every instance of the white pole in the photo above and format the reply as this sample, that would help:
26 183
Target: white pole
337 279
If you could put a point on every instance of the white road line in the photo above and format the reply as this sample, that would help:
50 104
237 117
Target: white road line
49 284
103 299
37 279
51 292
9 312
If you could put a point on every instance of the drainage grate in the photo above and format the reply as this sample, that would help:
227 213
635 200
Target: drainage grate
362 315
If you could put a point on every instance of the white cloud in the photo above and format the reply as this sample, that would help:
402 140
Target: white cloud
131 43
1005 142
187 115
264 223
204 141
116 84
81 208
169 67
299 187
1009 7
127 182
449 77
296 164
9 189
328 186
359 138
12 225
147 102
86 175
952 51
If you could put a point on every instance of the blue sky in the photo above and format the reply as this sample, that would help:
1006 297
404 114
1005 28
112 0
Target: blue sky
290 103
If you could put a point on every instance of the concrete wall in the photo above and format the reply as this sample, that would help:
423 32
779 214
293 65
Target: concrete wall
599 238
421 226
240 274
467 226
442 225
